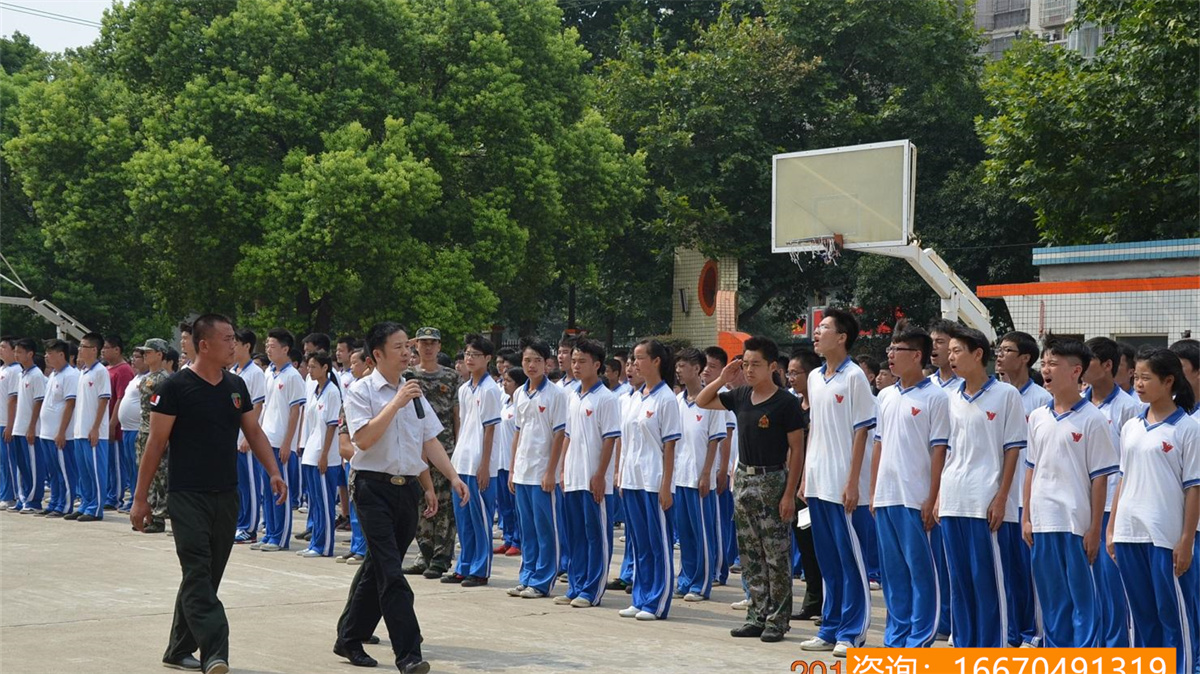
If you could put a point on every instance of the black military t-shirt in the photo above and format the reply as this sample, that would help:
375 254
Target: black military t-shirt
203 441
763 428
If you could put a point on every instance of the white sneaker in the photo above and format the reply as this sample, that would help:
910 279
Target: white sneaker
1027 645
516 591
497 534
692 596
532 593
302 509
354 560
740 605
309 553
645 615
630 612
840 650
622 539
270 547
816 644
563 600
580 602
875 586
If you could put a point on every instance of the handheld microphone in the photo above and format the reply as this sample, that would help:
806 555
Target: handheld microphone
418 408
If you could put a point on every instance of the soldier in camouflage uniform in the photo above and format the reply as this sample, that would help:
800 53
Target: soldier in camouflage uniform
157 498
439 384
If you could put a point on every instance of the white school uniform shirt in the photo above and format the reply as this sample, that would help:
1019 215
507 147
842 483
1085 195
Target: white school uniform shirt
256 384
31 388
983 428
624 388
731 432
285 390
1032 398
1196 416
1118 408
506 430
593 416
321 411
94 390
652 422
541 413
478 407
699 426
10 383
399 450
61 386
302 429
911 422
129 411
839 404
1158 462
1066 452
346 378
567 384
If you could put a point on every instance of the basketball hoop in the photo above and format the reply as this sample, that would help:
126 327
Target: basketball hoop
825 248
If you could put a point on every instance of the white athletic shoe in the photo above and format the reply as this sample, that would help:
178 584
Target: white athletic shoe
270 547
580 602
532 593
740 605
563 600
309 553
692 596
817 644
630 612
622 539
840 650
875 586
516 591
354 560
645 615
1028 645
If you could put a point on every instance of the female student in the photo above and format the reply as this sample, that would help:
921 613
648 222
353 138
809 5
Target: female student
506 505
321 464
1152 531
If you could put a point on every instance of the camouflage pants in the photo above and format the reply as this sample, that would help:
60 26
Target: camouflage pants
436 536
157 498
765 542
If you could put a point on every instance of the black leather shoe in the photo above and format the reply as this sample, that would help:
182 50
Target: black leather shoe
373 640
771 634
615 584
187 663
746 630
453 578
87 518
357 656
74 515
474 581
413 664
414 569
806 614
433 574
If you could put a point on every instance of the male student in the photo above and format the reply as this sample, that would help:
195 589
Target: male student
249 509
10 382
56 434
281 411
624 579
593 426
31 471
1124 377
129 418
1070 458
837 484
1188 351
977 507
716 359
479 411
566 346
945 377
120 372
910 451
91 428
1015 355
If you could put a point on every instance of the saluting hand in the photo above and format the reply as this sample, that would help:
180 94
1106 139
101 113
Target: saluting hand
460 488
279 488
730 371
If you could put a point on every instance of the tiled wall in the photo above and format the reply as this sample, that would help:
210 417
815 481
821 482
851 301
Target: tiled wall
1166 313
695 325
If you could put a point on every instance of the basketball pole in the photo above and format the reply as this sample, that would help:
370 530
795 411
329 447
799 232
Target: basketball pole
958 300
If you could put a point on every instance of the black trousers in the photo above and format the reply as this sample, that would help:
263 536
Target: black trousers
204 524
813 587
388 516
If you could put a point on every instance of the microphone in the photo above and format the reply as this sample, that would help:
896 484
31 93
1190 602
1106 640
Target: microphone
418 408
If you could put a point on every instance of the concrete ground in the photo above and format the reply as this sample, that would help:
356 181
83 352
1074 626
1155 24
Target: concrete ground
97 597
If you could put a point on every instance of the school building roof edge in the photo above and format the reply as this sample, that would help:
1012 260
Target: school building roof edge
1087 287
1113 252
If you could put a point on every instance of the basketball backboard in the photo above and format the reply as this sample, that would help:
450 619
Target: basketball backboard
865 193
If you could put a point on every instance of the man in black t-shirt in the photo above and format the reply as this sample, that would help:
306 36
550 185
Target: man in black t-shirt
771 427
199 411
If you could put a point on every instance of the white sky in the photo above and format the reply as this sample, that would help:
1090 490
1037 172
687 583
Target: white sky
52 34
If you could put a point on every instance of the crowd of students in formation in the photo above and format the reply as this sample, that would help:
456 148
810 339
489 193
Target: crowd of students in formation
1054 507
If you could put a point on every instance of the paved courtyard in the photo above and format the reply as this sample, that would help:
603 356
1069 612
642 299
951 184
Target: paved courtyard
96 598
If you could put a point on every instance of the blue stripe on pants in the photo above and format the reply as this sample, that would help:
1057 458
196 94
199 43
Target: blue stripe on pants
654 560
1156 600
8 476
112 482
506 511
1190 584
56 479
295 480
564 551
92 463
976 583
278 517
40 473
910 583
627 556
1023 625
474 524
939 563
65 486
729 552
696 519
129 465
322 505
1114 608
538 511
864 526
846 611
590 539
1070 605
249 491
358 543
22 471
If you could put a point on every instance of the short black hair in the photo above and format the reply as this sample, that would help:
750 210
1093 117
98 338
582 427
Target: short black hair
808 358
623 354
590 347
1189 350
1128 353
296 356
1102 349
115 340
202 327
512 358
718 353
26 343
317 339
172 355
283 336
58 346
693 356
517 374
11 340
944 326
539 346
185 326
350 342
1067 347
868 362
246 336
846 324
612 364
1025 343
261 359
913 336
765 346
567 341
443 359
94 339
973 339
379 333
479 343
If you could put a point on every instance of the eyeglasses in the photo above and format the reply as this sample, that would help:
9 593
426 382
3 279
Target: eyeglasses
1005 350
472 354
897 349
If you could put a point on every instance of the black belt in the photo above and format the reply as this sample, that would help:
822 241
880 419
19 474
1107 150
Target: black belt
386 477
761 470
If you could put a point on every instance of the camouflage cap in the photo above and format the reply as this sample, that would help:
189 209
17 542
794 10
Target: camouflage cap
156 344
429 333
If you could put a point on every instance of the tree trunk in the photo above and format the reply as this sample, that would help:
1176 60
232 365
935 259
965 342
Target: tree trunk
766 296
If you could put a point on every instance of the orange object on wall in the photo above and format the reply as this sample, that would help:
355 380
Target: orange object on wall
732 342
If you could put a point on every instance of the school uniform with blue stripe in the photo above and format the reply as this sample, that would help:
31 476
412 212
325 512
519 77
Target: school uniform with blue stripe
479 408
506 503
285 390
249 507
321 413
10 383
696 515
541 416
93 393
593 420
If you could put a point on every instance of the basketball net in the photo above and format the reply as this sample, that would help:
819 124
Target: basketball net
828 249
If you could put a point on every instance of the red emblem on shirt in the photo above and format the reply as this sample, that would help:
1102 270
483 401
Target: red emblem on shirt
649 413
588 412
699 417
1077 436
91 383
1167 446
840 398
541 409
915 411
320 406
991 416
281 387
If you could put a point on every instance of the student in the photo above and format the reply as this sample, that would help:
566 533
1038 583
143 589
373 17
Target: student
566 346
1070 456
346 345
1124 376
870 368
695 476
911 440
249 509
1188 351
715 360
475 461
624 579
613 377
10 383
320 462
31 471
1118 407
91 429
593 426
185 344
537 452
280 414
647 480
943 375
360 366
120 372
772 427
1015 356
1152 531
129 417
801 364
837 485
56 435
506 506
977 507
887 378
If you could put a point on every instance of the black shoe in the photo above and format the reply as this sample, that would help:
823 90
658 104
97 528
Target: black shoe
453 578
629 589
87 518
474 581
433 574
414 569
302 535
74 515
187 663
53 514
373 640
615 584
747 630
109 507
771 634
357 656
806 614
413 664
42 513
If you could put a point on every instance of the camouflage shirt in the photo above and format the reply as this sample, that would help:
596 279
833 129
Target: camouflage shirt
440 388
147 388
